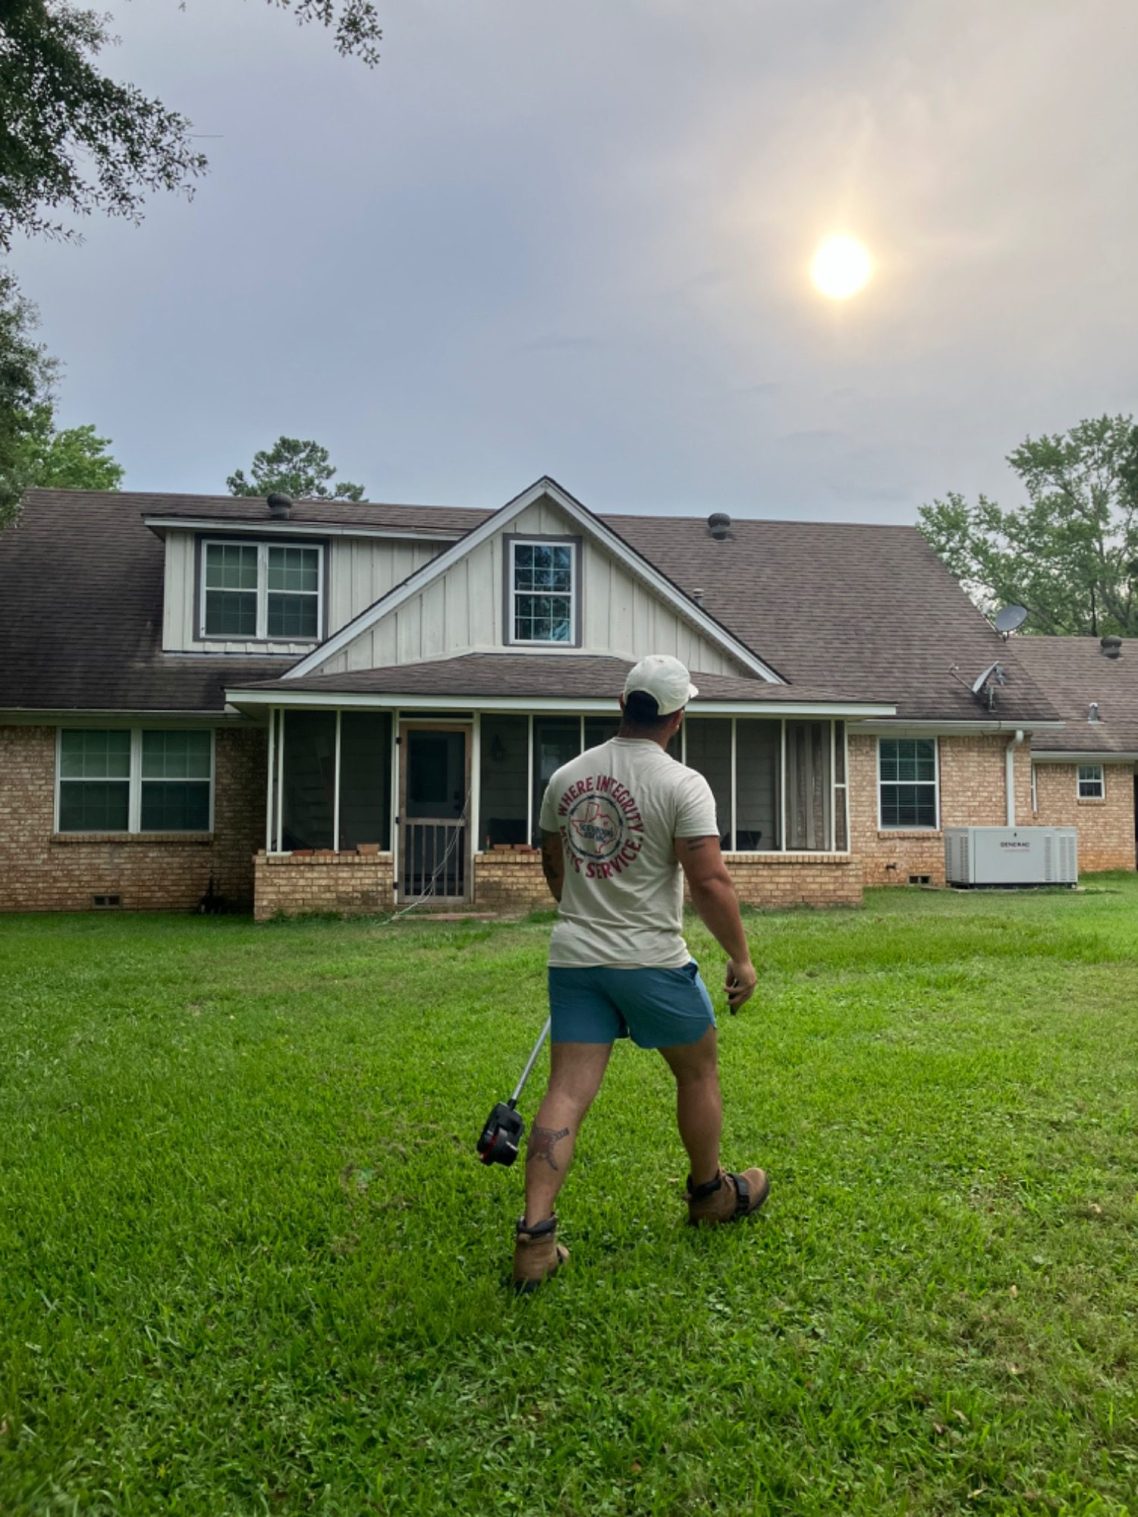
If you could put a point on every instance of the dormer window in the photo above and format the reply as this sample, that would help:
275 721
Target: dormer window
262 592
542 597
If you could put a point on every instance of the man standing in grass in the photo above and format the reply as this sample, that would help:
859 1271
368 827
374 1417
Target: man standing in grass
617 825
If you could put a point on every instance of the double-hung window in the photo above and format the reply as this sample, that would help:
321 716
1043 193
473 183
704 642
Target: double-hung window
542 600
262 591
134 780
1092 785
907 781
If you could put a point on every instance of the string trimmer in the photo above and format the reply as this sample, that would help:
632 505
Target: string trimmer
505 1127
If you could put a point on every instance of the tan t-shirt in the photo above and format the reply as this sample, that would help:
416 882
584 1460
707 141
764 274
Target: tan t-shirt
618 809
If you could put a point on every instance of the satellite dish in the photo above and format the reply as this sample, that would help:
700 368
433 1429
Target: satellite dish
1010 619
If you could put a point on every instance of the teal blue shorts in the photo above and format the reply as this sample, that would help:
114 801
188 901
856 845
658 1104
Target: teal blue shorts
656 1008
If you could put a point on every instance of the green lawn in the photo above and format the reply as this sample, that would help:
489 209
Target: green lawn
249 1262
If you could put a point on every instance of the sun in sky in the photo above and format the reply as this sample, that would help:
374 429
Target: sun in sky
841 266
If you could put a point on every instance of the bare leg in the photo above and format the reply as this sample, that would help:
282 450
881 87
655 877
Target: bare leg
699 1105
575 1074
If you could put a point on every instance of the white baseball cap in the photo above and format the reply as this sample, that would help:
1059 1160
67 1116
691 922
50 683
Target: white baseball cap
663 678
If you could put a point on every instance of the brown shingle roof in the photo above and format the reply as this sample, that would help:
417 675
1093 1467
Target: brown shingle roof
574 676
1073 672
860 612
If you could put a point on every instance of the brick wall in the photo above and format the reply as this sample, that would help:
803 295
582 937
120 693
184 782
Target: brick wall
42 871
514 881
510 882
1106 827
972 794
351 884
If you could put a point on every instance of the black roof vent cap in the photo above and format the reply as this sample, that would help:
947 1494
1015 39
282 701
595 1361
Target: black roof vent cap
1111 646
279 507
719 525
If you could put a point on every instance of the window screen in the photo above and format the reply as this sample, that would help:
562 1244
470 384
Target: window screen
94 781
175 782
908 780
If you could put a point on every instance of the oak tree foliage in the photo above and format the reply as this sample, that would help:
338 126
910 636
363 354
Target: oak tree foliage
1069 552
74 139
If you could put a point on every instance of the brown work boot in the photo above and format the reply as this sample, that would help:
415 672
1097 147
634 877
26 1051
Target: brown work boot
728 1197
537 1254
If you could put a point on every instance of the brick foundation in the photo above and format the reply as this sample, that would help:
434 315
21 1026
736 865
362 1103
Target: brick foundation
45 871
1106 827
972 794
350 884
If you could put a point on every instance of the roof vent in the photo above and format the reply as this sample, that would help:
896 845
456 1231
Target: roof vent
1092 714
697 596
1111 647
279 507
719 525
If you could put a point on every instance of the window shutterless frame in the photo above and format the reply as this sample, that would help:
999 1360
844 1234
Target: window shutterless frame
134 803
883 826
1090 782
261 635
510 545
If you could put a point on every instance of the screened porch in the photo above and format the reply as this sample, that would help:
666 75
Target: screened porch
436 790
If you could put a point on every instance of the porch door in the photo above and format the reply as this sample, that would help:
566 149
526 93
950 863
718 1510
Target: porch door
434 812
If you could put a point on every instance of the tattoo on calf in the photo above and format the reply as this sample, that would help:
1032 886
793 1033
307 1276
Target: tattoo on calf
541 1144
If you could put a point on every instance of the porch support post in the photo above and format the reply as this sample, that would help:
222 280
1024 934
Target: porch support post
280 782
529 781
831 839
269 780
734 787
476 784
782 790
336 789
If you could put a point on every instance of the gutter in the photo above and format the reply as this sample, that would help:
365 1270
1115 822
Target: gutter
1016 741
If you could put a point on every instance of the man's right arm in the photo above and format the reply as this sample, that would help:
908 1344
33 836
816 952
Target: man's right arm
713 896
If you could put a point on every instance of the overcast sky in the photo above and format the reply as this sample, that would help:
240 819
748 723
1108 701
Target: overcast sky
574 239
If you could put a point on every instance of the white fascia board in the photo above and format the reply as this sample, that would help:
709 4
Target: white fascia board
273 528
544 703
77 716
1051 756
903 728
590 525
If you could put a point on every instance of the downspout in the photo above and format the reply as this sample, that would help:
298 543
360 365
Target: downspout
1010 773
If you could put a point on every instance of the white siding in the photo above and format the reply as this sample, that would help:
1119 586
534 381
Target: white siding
360 571
463 612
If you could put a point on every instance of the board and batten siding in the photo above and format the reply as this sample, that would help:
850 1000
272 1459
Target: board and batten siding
360 571
464 611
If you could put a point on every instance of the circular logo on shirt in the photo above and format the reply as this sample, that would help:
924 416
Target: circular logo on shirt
595 827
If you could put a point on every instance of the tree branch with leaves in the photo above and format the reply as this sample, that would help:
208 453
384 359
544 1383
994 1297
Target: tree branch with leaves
1070 552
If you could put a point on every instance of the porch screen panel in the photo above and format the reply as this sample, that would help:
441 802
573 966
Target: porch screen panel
758 757
808 785
504 780
308 794
598 730
709 753
556 740
365 779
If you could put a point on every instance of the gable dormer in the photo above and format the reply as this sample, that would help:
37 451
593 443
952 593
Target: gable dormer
542 575
246 578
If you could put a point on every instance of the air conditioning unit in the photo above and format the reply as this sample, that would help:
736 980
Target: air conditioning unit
1011 856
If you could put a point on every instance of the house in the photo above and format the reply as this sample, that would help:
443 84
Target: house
324 705
1085 775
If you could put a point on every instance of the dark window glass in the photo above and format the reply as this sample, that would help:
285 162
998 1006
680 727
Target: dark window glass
908 782
230 590
94 805
169 806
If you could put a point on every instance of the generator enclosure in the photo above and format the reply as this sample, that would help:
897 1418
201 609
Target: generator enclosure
1011 856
